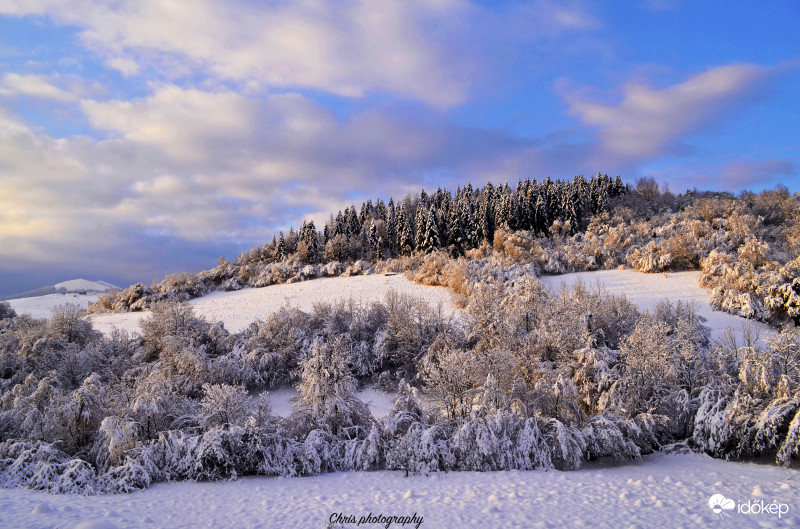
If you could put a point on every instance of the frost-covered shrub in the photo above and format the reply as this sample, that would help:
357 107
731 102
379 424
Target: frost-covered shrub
319 453
83 413
531 449
6 311
594 375
224 405
68 323
604 439
171 456
422 449
133 299
554 395
450 376
566 444
650 258
169 320
116 439
744 304
40 466
127 477
327 393
365 454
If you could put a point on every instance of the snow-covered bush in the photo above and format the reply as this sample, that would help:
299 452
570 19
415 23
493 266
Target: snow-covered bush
327 393
224 405
6 312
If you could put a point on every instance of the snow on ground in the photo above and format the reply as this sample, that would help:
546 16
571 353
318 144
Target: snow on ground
42 306
84 284
647 290
280 400
239 308
379 402
665 491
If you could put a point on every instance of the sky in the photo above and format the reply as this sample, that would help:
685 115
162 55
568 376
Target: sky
140 138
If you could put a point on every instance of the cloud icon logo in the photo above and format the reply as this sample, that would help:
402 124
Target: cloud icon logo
719 503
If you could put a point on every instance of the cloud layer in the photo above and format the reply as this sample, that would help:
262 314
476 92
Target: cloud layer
208 125
648 121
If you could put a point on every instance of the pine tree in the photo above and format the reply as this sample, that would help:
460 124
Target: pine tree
291 241
430 235
373 240
340 228
352 225
280 252
309 238
619 187
405 241
420 220
391 227
380 210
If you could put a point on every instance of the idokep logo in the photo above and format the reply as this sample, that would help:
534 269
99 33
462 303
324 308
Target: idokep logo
720 504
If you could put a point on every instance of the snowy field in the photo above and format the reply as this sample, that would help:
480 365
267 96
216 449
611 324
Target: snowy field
379 402
240 308
647 290
665 491
42 306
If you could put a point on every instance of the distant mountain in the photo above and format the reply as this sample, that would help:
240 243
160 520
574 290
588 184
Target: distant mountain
78 286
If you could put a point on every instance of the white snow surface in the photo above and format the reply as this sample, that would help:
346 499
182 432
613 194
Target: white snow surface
647 290
665 491
85 284
42 306
238 309
379 402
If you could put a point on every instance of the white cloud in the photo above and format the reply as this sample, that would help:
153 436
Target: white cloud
38 86
649 120
747 173
124 65
211 166
183 122
420 49
732 174
345 48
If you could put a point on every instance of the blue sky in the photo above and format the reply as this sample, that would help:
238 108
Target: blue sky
142 138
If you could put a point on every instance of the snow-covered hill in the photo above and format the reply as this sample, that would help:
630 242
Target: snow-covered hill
665 491
42 306
78 285
239 308
40 303
647 290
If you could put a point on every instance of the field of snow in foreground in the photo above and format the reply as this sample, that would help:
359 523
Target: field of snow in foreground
647 290
42 306
669 491
240 308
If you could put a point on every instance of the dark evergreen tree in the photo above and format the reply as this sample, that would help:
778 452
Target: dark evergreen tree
430 235
380 210
280 252
619 187
405 240
373 240
420 220
352 224
391 227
